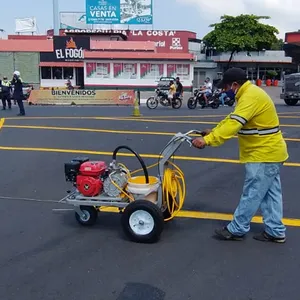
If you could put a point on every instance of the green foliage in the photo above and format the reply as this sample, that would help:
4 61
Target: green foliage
272 74
241 33
278 45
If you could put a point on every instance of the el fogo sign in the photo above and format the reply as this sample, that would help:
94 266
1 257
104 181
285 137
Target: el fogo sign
69 54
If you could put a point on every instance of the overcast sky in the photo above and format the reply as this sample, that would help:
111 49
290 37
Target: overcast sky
194 15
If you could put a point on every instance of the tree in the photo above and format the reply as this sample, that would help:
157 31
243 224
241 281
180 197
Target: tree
241 33
278 45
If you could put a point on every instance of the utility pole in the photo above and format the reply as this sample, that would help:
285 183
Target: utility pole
55 17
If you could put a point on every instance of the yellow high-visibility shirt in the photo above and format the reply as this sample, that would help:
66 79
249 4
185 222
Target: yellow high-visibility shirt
172 89
256 122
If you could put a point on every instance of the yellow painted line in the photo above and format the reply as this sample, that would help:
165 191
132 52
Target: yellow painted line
89 130
289 113
213 216
161 133
137 120
2 120
183 117
155 156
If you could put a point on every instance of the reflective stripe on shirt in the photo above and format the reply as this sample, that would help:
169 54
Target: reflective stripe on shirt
240 119
259 131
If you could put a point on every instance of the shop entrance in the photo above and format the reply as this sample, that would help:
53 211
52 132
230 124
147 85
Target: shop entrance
79 77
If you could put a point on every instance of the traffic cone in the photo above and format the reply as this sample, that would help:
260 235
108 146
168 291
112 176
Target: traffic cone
136 109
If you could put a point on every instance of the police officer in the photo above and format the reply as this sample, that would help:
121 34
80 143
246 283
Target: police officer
18 92
6 92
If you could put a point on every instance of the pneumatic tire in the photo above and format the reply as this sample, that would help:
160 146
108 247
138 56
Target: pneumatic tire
142 222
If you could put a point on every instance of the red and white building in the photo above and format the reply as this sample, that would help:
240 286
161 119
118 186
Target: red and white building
110 58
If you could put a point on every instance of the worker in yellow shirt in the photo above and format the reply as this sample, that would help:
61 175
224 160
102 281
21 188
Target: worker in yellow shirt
262 149
172 90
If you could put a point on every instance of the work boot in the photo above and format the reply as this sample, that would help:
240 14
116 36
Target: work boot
225 234
265 237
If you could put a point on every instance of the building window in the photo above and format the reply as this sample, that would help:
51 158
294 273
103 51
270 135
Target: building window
103 70
97 70
57 73
46 72
152 71
68 73
125 70
179 70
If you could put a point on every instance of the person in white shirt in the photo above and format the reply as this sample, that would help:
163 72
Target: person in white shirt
206 90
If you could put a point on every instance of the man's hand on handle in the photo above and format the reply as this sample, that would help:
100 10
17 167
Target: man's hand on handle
206 132
200 142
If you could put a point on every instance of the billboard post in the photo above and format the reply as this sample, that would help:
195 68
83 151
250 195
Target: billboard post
55 17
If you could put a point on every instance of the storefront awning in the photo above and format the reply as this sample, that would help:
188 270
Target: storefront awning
70 64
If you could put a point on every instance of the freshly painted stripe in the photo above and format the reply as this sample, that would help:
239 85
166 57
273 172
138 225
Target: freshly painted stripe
182 214
162 133
155 156
138 119
213 216
2 120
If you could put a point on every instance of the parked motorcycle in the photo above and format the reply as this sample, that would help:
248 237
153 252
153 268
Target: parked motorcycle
163 99
213 100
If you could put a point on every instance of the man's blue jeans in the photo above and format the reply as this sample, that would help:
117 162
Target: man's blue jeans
262 189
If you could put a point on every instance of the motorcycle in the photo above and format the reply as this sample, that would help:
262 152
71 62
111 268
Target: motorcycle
213 100
229 100
163 98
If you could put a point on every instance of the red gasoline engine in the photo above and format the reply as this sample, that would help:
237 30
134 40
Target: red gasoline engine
88 175
88 180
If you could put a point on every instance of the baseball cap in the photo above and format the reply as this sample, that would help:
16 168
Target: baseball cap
232 75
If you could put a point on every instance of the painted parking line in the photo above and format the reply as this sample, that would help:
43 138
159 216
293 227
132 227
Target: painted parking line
189 214
160 133
138 119
154 156
213 216
2 120
289 113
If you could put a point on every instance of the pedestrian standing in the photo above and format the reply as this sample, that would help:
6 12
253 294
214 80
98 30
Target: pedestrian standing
6 89
18 95
262 149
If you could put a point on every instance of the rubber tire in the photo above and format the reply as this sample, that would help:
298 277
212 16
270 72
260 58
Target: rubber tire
179 103
291 102
93 216
192 104
230 103
156 214
215 105
148 101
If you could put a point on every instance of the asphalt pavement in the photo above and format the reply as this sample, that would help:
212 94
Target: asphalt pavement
45 254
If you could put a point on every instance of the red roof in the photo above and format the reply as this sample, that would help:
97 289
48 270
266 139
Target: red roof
137 55
26 37
26 45
123 46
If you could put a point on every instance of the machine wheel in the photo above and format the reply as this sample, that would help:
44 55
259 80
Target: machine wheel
230 103
91 216
142 222
215 105
176 103
291 102
152 103
192 104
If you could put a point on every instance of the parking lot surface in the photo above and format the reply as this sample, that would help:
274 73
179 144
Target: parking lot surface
45 254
